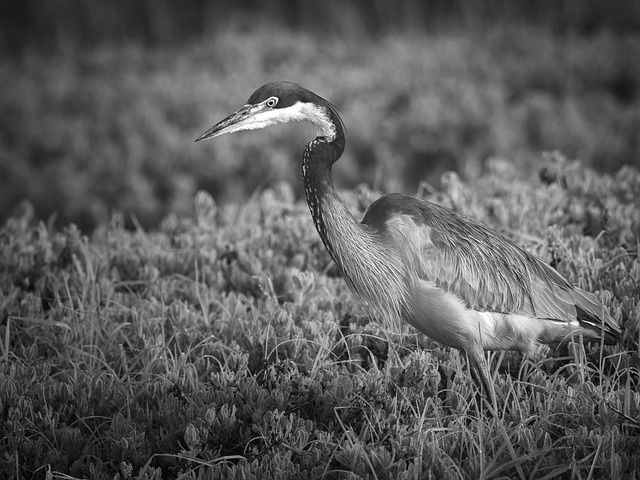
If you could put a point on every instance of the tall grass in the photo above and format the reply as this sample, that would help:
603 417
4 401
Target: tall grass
222 345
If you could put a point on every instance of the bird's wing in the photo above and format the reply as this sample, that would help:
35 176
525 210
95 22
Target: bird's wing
485 269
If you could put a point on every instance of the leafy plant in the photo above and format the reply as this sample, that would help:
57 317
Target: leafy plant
140 355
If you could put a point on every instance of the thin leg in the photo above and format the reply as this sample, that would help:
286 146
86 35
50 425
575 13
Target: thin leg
480 374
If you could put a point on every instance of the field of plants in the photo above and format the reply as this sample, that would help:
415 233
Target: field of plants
167 309
223 345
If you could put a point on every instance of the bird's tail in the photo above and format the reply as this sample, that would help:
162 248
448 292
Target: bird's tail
592 314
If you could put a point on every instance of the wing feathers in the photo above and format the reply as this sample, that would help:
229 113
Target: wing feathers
552 300
484 268
593 314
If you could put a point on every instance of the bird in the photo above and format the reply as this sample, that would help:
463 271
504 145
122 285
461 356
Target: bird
455 279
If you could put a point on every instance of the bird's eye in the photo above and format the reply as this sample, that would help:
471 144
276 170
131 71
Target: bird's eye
272 102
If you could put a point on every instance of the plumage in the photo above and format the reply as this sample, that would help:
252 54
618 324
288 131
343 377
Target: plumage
454 279
485 270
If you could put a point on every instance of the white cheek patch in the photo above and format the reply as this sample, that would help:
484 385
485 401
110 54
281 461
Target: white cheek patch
302 111
299 111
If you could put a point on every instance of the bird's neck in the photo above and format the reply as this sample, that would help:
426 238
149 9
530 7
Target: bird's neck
325 205
323 201
358 251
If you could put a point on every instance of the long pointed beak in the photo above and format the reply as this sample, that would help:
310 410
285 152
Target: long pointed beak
231 123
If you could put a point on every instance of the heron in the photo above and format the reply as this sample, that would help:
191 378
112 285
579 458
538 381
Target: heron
456 280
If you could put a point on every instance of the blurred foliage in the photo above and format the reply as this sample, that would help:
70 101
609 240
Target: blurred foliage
48 24
89 130
222 346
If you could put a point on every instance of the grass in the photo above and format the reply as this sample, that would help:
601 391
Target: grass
223 345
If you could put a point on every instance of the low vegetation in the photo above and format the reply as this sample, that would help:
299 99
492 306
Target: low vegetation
223 344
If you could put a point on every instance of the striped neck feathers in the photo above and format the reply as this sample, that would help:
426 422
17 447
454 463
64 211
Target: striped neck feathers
366 265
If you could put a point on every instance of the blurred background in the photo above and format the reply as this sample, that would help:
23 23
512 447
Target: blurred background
100 101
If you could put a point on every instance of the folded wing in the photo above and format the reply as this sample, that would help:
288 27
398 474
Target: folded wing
488 271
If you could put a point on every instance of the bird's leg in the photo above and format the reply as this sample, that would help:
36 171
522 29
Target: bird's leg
480 372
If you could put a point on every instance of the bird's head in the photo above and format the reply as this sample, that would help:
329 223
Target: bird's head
281 102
